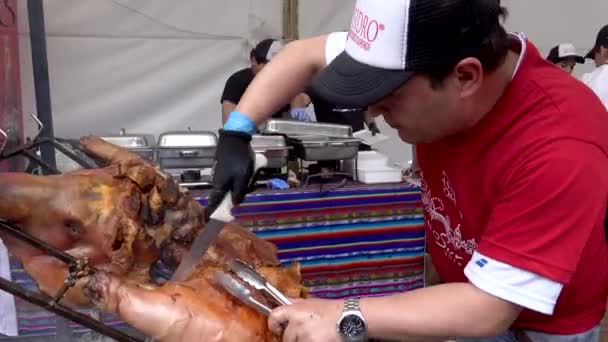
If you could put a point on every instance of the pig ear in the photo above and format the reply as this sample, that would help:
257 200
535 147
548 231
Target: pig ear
108 153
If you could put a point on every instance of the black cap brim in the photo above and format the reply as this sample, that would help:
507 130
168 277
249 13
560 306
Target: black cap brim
347 82
579 59
591 54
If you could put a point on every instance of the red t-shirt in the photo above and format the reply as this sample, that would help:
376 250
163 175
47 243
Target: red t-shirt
527 186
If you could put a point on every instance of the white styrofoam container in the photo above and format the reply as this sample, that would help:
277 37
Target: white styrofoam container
386 174
371 160
365 160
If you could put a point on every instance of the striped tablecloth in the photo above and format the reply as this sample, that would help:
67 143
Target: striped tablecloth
353 241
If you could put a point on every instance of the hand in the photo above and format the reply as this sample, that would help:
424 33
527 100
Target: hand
373 128
299 114
233 168
310 320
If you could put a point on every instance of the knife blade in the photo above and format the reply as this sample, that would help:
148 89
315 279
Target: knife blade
218 219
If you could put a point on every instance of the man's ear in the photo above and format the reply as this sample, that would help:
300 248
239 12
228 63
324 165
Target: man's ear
603 51
468 74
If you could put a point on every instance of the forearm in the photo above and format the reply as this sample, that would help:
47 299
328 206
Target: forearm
442 311
300 101
227 107
287 75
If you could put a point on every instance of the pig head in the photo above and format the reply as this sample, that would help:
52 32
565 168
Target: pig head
88 214
130 219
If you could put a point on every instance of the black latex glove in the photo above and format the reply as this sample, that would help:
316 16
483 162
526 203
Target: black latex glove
233 170
373 128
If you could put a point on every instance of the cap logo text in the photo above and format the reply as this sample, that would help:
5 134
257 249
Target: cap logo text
364 30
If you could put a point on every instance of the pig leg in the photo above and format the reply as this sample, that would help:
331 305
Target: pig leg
178 312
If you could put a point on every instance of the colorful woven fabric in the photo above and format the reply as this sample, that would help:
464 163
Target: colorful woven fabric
353 241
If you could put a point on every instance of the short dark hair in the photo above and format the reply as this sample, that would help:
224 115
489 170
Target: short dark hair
257 56
491 51
260 52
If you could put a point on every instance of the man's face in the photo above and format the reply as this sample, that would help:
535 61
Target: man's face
422 113
567 65
255 66
601 55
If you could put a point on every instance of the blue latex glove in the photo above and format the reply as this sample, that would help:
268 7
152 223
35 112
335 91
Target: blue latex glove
239 122
299 114
277 183
234 161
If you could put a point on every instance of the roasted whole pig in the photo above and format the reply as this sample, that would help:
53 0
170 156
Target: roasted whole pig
134 224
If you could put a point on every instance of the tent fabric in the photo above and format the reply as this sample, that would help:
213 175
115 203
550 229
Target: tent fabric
146 66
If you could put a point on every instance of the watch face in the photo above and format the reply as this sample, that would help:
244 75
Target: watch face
352 326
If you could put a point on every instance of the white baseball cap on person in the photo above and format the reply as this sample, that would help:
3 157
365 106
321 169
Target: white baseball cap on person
390 40
564 51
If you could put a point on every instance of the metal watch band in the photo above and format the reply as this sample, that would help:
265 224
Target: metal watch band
351 304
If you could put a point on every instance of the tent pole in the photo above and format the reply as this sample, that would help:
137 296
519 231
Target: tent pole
40 67
290 20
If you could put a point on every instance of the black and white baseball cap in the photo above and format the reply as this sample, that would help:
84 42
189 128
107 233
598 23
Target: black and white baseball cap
564 51
267 49
390 40
600 40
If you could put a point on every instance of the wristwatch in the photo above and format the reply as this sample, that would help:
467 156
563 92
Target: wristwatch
351 324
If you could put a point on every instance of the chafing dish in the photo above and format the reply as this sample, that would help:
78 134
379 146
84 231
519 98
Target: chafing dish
292 127
318 148
142 144
274 147
186 149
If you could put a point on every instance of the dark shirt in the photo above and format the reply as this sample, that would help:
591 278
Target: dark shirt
237 84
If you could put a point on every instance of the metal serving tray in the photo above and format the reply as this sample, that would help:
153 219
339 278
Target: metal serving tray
274 147
186 149
317 148
142 144
293 127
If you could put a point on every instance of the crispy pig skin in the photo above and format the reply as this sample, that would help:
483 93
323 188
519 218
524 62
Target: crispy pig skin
132 220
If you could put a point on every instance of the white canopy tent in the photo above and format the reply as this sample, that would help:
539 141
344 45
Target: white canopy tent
154 65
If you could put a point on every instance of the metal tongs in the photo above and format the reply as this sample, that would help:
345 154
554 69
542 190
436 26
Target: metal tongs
253 278
239 291
250 276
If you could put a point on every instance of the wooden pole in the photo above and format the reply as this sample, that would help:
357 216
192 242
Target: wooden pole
290 20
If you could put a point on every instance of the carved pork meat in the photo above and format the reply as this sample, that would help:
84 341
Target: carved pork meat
134 224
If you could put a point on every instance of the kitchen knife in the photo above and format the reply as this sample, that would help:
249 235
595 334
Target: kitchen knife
218 219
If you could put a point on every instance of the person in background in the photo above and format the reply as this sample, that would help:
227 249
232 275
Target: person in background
299 108
597 80
564 56
238 82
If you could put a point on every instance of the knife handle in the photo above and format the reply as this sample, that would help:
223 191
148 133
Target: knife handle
223 212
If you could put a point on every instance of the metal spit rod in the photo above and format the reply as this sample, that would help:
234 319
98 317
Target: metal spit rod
52 304
82 319
28 149
68 259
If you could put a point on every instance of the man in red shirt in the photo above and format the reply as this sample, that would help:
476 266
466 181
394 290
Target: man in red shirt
513 154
